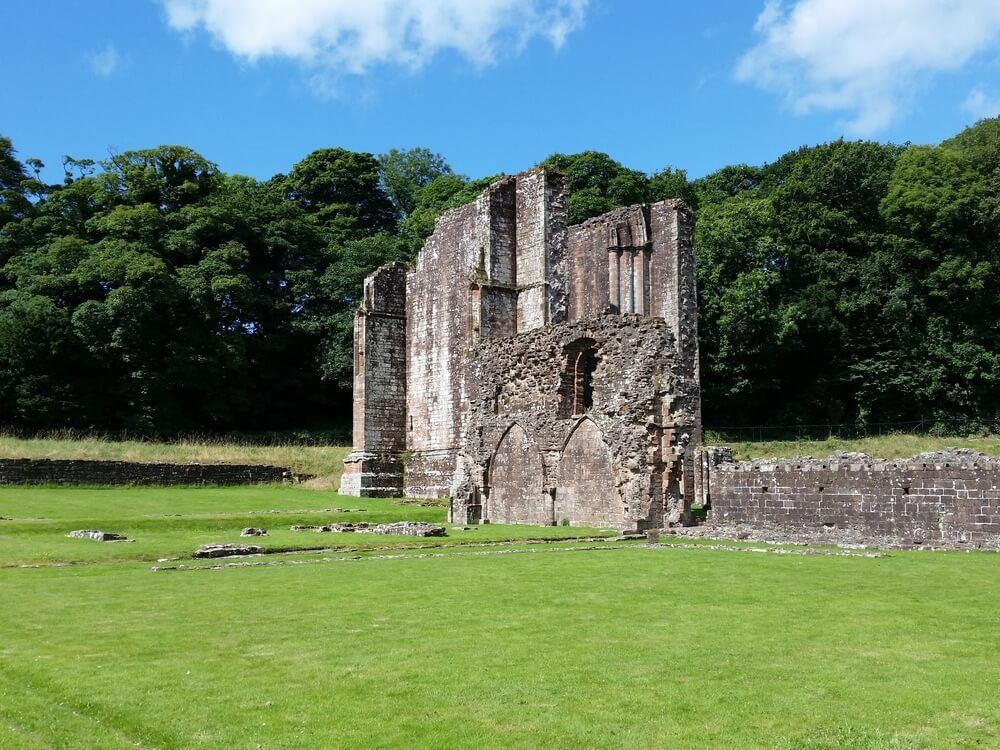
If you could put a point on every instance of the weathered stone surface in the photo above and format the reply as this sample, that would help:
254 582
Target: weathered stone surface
253 531
374 467
50 471
369 474
949 499
226 550
612 460
547 372
409 528
97 535
349 527
335 527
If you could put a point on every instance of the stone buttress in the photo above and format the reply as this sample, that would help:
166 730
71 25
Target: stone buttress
374 468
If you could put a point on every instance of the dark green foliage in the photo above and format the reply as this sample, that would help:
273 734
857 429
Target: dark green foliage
672 183
597 183
852 283
445 192
160 295
342 190
331 318
846 283
13 201
405 172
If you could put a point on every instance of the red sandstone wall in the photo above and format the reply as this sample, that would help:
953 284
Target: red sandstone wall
438 322
487 271
638 259
372 468
618 469
380 362
501 268
84 472
938 499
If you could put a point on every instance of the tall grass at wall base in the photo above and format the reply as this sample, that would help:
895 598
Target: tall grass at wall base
325 462
888 446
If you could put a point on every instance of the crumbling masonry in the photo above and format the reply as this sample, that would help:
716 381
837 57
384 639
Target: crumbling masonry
534 372
945 499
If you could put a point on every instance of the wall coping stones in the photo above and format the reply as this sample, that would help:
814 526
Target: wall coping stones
211 551
949 458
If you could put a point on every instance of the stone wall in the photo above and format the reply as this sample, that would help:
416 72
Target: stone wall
615 463
46 471
540 242
374 467
438 333
940 499
505 274
640 259
490 269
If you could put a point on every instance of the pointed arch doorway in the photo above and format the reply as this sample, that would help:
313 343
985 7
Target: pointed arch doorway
586 495
516 478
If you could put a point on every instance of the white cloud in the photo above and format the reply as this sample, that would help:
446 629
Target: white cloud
105 62
866 58
351 36
981 104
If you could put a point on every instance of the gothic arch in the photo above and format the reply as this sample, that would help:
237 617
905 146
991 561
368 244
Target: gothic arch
516 479
576 385
587 494
577 426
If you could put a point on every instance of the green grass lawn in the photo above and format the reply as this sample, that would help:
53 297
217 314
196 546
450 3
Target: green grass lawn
562 645
165 522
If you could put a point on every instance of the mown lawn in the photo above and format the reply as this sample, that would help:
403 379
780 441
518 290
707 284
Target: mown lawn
169 522
522 646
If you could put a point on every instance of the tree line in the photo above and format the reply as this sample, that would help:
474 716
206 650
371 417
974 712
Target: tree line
851 282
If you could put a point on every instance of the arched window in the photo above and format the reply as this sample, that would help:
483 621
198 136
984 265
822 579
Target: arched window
576 390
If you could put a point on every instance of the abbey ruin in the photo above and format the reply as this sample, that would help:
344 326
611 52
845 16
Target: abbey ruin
531 371
534 372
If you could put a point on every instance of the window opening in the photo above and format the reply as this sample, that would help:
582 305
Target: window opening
577 386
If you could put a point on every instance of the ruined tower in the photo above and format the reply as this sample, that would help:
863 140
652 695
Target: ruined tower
532 371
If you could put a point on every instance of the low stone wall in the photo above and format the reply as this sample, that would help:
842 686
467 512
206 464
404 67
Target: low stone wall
48 471
949 499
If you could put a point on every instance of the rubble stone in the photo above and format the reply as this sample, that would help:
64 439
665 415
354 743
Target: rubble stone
97 535
409 528
349 527
226 550
335 527
86 471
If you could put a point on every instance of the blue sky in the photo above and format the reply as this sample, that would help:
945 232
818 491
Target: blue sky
493 85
